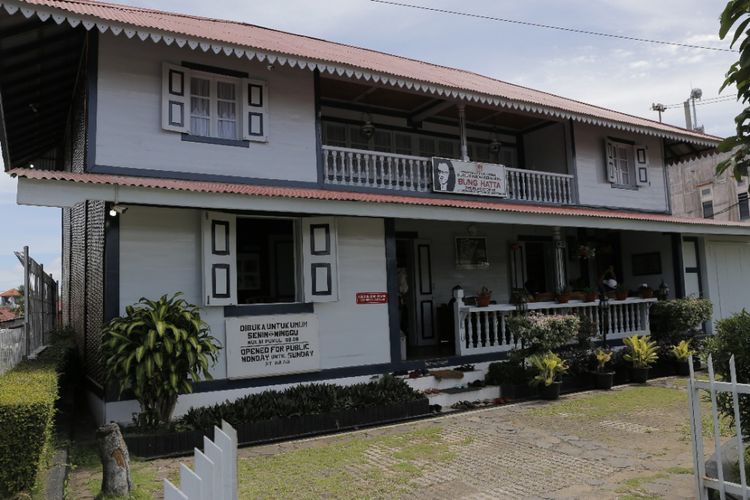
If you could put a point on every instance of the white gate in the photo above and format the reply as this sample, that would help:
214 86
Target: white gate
214 473
703 483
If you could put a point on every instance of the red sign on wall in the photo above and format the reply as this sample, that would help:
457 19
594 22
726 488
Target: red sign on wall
372 297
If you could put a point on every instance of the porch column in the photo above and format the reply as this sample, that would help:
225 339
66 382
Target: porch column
462 130
559 260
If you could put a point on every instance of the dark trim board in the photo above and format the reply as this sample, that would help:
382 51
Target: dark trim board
394 329
214 69
678 267
111 265
318 129
91 97
263 309
239 143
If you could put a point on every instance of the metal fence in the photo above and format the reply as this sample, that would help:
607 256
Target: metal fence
40 315
215 470
713 388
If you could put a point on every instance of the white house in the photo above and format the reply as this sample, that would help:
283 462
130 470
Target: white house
331 196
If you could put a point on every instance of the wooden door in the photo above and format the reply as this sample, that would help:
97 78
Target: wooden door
424 332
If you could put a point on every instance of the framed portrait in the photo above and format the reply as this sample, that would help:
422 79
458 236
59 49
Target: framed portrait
646 263
471 252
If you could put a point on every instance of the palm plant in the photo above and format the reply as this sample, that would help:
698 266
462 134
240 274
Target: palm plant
602 358
642 351
682 351
549 367
157 350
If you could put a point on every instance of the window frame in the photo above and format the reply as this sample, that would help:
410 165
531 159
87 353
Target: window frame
706 198
297 241
213 98
630 148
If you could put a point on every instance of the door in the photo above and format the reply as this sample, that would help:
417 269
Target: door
691 268
728 264
424 307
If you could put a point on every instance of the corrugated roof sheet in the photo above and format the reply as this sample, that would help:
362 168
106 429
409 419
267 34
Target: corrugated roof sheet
330 195
236 34
11 293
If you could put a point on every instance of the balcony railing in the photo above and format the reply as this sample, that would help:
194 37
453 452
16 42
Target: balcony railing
484 329
393 172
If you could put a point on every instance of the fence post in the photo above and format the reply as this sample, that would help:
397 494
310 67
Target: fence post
26 302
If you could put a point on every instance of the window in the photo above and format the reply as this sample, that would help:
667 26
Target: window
254 260
627 164
266 261
212 105
742 202
707 202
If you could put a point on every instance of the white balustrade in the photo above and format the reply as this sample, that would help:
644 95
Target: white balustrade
483 329
393 172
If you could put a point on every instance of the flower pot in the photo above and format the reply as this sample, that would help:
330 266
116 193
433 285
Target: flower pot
604 380
590 297
550 392
683 368
647 293
563 299
639 375
621 295
484 300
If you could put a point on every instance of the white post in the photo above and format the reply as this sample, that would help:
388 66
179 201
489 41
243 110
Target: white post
26 302
172 492
214 453
462 130
232 433
205 468
458 320
227 453
190 483
559 263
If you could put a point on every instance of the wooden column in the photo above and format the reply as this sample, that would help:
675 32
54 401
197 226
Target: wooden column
559 259
462 130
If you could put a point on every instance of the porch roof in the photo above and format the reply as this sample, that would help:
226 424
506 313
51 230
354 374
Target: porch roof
118 188
345 61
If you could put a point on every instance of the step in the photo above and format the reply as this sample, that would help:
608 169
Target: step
446 399
430 382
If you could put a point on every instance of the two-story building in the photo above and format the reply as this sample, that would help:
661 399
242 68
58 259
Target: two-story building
334 210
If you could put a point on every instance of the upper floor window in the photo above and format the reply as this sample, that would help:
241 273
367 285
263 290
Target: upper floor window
707 202
744 205
627 164
213 105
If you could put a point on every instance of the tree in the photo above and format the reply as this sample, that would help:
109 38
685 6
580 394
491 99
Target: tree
736 17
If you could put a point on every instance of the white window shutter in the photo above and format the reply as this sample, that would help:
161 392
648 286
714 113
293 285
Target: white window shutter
175 98
611 160
319 257
219 259
641 165
254 110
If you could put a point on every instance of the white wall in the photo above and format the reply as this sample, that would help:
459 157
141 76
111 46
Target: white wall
160 254
728 268
593 187
129 133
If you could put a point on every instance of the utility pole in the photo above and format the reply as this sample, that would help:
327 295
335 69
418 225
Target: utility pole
658 107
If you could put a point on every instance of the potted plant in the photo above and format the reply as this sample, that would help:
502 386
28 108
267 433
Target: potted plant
604 379
642 354
645 291
519 296
484 297
621 293
549 368
589 294
682 353
563 296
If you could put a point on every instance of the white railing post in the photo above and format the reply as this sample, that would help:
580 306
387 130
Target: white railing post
458 320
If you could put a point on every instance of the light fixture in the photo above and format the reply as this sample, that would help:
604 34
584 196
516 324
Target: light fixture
495 144
117 210
368 128
31 165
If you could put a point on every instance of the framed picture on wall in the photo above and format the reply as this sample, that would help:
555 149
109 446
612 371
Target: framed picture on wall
646 263
471 252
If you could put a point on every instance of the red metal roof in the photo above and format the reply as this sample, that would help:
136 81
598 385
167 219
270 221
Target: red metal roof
336 195
236 34
11 293
7 314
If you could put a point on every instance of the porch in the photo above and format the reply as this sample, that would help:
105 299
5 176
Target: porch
396 172
442 268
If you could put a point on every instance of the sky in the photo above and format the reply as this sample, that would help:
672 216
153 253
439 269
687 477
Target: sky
623 75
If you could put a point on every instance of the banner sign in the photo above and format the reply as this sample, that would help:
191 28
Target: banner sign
262 346
472 178
372 297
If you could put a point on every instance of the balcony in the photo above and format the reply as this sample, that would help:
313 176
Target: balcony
402 173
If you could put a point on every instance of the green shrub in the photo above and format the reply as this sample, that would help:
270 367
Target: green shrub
157 350
541 333
299 400
732 337
27 409
548 368
673 320
510 372
641 351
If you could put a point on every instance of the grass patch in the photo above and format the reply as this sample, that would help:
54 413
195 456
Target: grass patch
633 488
613 403
679 470
333 470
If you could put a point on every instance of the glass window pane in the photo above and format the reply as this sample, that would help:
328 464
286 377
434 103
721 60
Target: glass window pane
200 87
200 107
200 126
226 90
227 110
227 129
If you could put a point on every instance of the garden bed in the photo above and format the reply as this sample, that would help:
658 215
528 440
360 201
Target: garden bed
163 444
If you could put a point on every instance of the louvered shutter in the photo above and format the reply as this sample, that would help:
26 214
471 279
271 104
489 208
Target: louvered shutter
254 110
641 165
175 98
610 160
319 256
219 259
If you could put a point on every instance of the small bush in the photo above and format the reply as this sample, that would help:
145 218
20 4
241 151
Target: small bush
299 400
510 372
540 333
27 408
732 337
673 320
